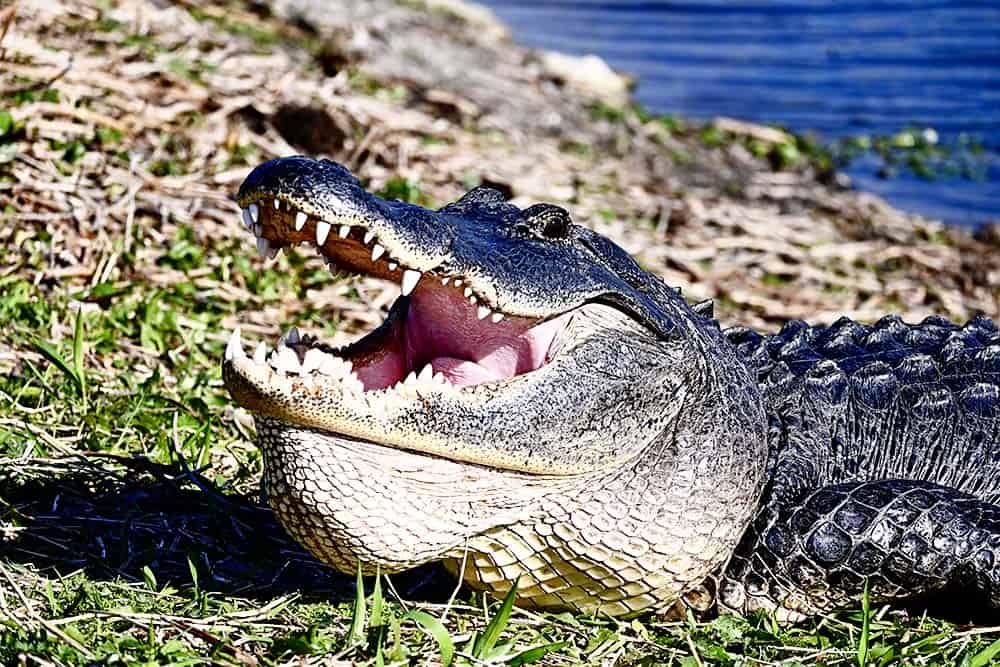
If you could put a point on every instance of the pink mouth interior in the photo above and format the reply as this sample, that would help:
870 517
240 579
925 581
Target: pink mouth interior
442 329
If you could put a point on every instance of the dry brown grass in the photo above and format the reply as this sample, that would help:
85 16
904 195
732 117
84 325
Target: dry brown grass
129 128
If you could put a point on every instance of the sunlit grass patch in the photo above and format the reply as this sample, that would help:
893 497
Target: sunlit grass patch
131 530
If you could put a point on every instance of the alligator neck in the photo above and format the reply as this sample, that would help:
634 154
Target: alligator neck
636 537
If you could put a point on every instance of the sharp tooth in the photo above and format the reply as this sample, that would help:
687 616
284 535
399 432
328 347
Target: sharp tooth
277 205
468 291
258 229
439 378
377 252
496 317
369 235
322 231
345 231
393 266
285 360
482 312
472 300
254 212
289 360
353 382
426 374
234 348
273 252
410 280
313 360
293 336
247 219
300 221
260 354
263 247
411 379
332 366
458 282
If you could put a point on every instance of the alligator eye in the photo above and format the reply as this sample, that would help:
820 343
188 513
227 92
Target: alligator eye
548 219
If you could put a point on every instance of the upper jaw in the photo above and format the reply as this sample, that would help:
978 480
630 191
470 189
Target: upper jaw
357 232
474 248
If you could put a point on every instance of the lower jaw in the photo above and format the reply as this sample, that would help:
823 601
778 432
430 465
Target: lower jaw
353 503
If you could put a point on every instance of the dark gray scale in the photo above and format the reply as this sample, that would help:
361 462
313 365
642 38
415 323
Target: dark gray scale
987 361
884 464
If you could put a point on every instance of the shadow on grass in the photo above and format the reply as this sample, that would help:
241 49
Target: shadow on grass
112 521
112 517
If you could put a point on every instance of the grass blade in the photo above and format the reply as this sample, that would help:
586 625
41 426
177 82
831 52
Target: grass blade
396 633
866 619
491 634
149 578
378 602
78 369
355 633
986 656
194 575
434 627
50 353
535 653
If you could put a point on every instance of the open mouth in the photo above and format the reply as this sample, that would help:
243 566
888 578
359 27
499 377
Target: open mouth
439 334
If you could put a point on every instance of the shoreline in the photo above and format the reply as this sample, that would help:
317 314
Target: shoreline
133 524
678 194
924 151
425 103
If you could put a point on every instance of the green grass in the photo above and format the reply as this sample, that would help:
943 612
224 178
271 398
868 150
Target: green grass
130 530
130 526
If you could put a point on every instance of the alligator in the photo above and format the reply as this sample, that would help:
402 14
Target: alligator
537 411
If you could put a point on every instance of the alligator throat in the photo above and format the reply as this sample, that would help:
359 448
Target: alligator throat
438 333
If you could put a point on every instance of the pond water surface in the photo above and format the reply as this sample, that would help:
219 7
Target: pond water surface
838 68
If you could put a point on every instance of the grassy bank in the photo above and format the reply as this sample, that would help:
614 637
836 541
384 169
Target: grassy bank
129 526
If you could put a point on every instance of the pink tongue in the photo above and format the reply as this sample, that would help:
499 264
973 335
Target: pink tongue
463 373
443 329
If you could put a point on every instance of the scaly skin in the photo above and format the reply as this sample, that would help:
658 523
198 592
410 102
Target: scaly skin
624 468
885 464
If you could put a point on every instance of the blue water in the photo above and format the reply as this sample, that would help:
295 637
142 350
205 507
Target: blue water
836 68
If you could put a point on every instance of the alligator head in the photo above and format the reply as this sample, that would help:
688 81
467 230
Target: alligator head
535 404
